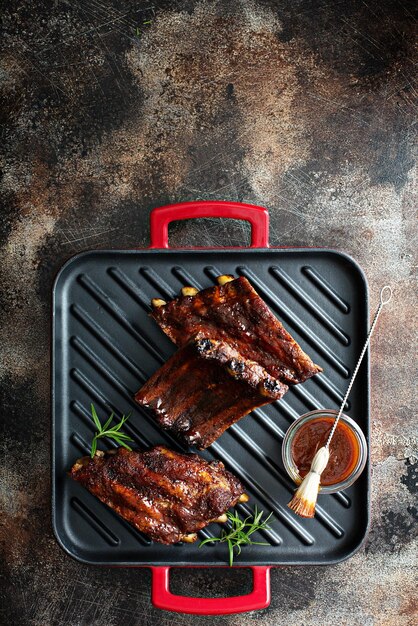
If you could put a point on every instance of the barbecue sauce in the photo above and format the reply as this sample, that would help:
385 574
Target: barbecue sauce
344 449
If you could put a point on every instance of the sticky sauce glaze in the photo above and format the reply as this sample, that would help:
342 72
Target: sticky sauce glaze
344 449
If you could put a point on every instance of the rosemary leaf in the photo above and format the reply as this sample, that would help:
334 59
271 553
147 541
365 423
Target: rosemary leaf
107 424
125 445
239 532
112 433
95 417
121 423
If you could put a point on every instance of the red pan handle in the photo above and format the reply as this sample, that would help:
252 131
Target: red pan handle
256 215
259 598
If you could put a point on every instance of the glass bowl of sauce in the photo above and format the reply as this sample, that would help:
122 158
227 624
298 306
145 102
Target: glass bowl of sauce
348 449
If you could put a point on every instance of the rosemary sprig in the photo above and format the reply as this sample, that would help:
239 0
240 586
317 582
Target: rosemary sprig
112 433
240 532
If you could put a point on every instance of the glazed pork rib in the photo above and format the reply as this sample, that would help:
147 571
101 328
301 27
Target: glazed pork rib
164 494
235 313
204 388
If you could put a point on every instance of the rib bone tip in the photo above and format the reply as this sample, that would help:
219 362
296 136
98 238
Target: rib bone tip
221 519
189 291
157 302
190 538
225 278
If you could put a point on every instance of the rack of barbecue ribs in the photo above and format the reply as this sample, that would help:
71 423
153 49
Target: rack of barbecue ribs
233 311
204 388
164 494
234 355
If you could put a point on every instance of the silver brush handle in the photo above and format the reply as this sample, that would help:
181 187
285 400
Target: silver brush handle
385 297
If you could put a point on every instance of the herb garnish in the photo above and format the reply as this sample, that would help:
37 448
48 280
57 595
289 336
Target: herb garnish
239 534
113 433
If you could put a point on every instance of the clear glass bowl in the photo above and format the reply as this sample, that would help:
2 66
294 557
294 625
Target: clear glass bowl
290 466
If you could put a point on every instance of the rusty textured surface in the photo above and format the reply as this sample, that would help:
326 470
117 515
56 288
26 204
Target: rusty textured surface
110 109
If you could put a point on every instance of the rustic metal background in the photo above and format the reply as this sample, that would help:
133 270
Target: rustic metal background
110 109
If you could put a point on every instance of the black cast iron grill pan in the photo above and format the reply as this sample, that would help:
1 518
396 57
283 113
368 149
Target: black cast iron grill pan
105 346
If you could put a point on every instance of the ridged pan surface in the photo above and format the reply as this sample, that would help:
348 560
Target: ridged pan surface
105 346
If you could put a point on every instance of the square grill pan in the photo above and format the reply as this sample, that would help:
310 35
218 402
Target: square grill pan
105 346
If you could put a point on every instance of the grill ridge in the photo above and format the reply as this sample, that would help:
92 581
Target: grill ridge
90 517
299 294
185 278
262 418
100 334
107 303
324 286
130 287
157 282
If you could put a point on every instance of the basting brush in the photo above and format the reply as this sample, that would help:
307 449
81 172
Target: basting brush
304 500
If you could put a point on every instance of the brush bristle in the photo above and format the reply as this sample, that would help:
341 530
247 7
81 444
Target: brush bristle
302 507
304 501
